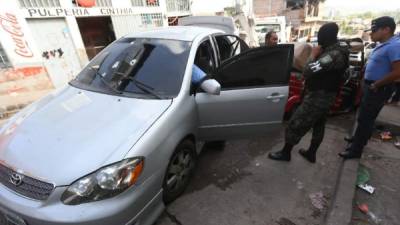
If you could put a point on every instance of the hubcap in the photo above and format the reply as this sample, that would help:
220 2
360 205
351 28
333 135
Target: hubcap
179 169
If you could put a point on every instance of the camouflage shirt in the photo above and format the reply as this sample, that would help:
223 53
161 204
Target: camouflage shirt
326 72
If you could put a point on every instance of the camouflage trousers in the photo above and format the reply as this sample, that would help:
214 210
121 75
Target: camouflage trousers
311 113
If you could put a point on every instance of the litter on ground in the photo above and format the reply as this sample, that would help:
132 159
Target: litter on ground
318 200
366 187
364 209
386 135
362 175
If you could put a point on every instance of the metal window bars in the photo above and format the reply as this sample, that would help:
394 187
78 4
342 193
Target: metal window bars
103 3
39 3
147 3
150 20
178 5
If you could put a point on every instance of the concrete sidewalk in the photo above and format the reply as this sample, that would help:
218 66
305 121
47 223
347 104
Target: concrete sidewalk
343 209
240 185
382 160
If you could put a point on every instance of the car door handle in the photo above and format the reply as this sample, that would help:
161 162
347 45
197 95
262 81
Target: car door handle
275 96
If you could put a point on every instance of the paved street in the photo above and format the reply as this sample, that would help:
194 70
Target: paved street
240 185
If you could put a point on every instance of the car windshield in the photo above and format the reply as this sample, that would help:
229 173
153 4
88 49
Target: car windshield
137 67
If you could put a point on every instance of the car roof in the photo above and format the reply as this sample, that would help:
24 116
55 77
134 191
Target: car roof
183 33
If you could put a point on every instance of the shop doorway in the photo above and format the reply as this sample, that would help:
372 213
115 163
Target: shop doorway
97 33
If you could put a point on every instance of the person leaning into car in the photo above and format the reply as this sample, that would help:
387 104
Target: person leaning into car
198 75
323 75
382 69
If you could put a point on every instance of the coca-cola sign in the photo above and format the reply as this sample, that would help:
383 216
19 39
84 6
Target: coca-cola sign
10 24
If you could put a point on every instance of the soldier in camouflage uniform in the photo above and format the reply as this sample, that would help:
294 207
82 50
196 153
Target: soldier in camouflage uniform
323 75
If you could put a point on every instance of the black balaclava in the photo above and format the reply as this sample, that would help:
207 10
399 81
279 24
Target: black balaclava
327 34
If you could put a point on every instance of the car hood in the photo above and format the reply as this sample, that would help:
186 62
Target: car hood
70 134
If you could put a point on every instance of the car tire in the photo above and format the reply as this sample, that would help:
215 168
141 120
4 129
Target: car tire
179 171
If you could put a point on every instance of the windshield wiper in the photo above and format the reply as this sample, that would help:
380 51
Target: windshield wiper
96 69
144 87
132 63
108 84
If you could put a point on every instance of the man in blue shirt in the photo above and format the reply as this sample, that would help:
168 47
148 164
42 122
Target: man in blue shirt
383 68
198 75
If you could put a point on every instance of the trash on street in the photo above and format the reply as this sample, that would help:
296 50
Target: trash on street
364 209
397 144
366 187
318 200
362 175
386 135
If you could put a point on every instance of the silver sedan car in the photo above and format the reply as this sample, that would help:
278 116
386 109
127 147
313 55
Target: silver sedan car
120 140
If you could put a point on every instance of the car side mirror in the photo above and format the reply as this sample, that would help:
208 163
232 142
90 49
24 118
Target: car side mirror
211 87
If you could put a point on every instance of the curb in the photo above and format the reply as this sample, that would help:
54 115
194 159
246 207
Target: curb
341 209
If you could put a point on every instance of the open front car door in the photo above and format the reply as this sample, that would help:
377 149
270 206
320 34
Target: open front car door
254 91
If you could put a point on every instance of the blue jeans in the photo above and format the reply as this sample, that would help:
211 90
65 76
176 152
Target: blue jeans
371 104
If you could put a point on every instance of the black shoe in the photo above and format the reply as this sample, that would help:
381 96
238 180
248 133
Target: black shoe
309 156
348 154
349 138
280 156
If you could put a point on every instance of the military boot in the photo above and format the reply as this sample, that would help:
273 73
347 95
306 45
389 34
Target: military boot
310 154
282 155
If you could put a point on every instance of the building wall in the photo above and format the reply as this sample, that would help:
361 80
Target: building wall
58 52
141 18
263 8
26 77
295 17
44 45
301 20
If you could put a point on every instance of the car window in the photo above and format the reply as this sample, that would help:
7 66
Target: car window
257 67
228 46
130 63
205 57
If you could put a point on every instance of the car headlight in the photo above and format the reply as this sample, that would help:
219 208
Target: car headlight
104 183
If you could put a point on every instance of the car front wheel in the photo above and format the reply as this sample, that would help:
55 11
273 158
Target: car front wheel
180 170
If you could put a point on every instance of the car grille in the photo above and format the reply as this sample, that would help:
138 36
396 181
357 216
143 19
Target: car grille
30 187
